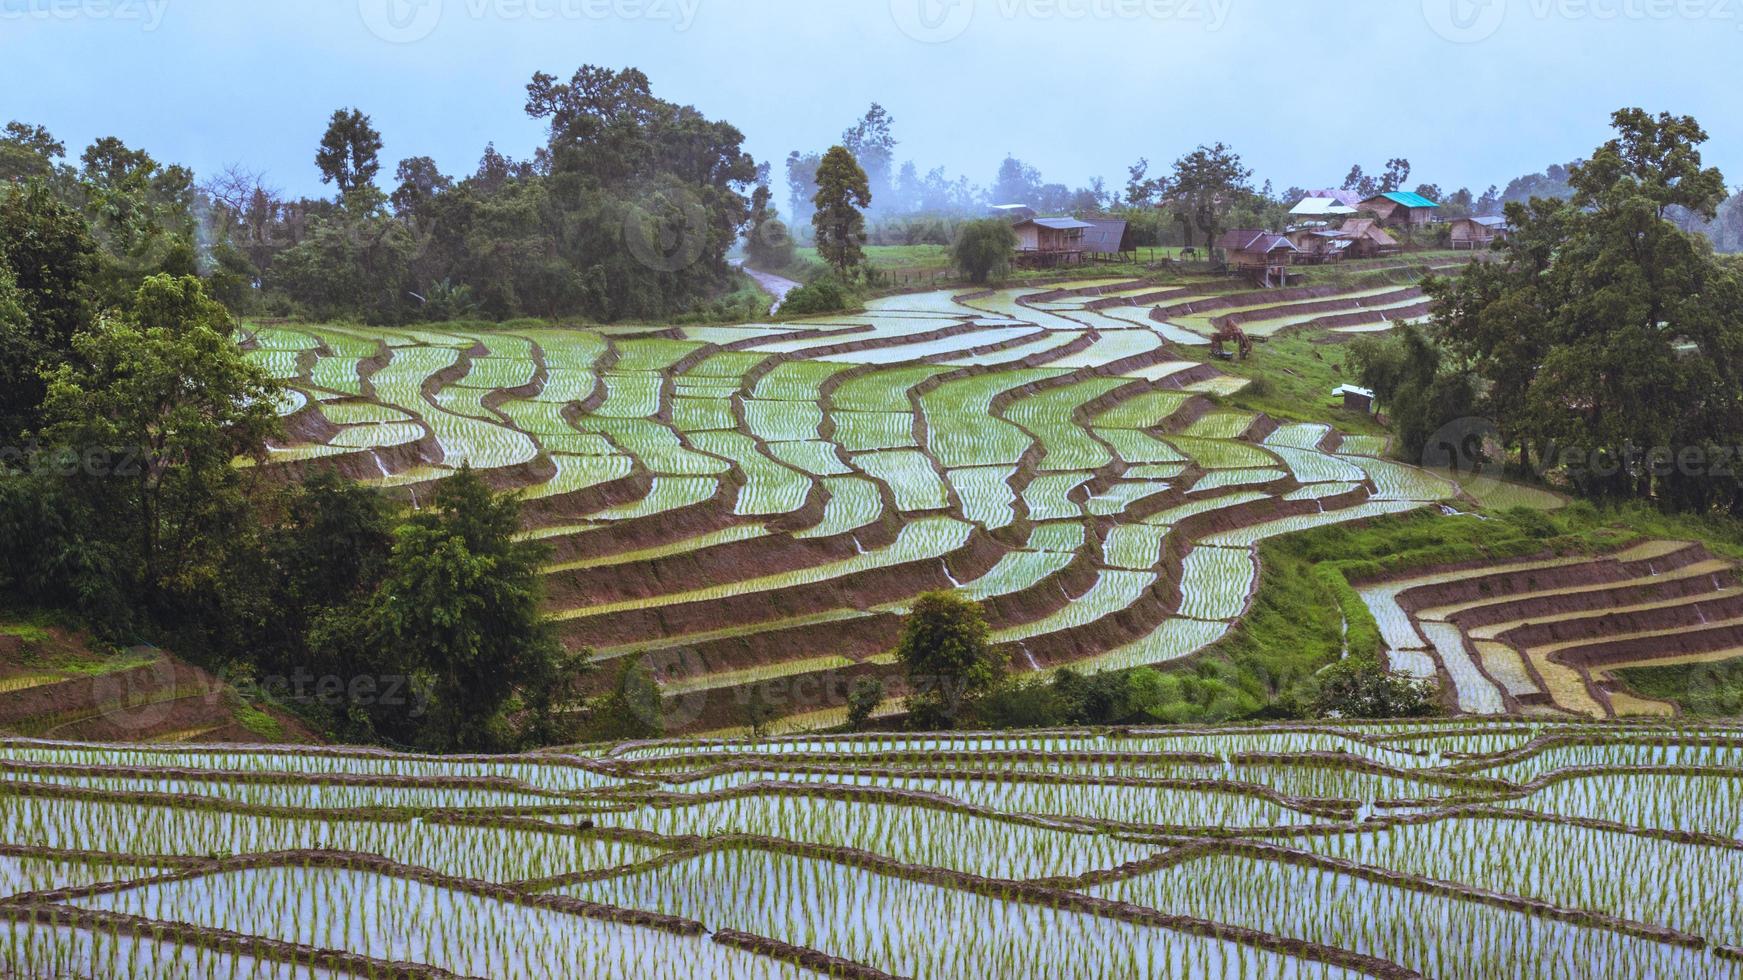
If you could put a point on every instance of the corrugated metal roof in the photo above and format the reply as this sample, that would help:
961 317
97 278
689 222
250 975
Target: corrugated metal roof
1407 199
1318 207
1105 236
1060 224
1346 198
1491 221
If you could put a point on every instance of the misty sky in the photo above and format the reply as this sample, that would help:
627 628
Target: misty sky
1471 91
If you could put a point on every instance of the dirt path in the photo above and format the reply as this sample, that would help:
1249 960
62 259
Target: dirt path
776 286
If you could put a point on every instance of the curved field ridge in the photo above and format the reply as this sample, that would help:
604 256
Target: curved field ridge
726 499
1545 636
1450 848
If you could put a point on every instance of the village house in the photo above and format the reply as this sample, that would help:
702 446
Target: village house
1260 255
1400 209
1050 241
1474 233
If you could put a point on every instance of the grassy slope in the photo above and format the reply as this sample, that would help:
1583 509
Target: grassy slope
36 650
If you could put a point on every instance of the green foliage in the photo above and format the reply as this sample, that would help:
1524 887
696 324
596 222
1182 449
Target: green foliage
631 711
862 699
1710 690
838 223
350 153
458 612
47 277
165 399
1608 332
1420 392
949 662
824 294
984 250
1361 687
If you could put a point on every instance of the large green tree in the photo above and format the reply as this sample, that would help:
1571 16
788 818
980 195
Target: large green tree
1606 334
839 221
458 613
151 412
1205 186
951 666
48 265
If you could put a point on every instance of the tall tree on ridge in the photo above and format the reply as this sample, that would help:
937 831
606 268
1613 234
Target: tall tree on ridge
842 192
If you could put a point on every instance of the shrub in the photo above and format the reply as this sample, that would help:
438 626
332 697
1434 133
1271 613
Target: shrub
1361 687
825 294
867 693
984 250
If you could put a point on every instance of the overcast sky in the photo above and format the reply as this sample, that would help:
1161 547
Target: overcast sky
1471 91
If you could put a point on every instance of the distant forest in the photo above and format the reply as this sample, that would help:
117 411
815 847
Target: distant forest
628 212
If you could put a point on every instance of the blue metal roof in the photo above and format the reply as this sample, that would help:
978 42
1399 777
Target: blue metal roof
1409 200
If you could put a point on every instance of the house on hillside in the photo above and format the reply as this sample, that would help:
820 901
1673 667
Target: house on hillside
1356 399
1320 245
1313 209
1012 212
1107 238
1367 239
1050 241
1400 209
1474 233
1260 255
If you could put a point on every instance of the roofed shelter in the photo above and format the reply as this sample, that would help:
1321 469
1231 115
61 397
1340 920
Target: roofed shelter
1474 232
1107 237
1262 256
1050 241
1401 209
1367 239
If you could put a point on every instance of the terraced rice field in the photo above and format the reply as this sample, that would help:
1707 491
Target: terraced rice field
1458 849
1545 636
739 492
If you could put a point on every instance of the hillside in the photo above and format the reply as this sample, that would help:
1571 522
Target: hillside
55 684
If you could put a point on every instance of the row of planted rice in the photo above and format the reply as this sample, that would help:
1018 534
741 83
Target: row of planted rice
1443 849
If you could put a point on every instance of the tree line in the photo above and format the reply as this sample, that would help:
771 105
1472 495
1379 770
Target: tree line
1602 346
123 508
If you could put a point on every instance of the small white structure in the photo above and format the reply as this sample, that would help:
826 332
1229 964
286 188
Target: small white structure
1319 208
1355 399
